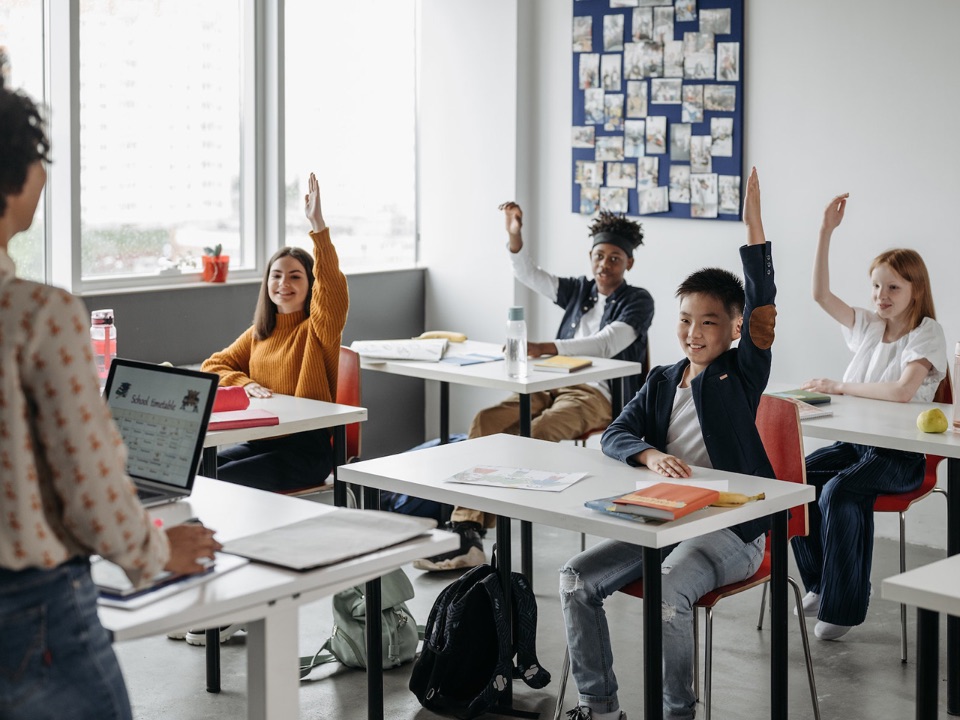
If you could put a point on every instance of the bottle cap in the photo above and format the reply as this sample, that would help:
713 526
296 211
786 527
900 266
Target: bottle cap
101 317
516 313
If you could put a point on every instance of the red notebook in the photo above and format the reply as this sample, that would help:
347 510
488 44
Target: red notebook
666 501
251 417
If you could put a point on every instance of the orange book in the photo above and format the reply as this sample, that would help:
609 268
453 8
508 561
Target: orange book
666 501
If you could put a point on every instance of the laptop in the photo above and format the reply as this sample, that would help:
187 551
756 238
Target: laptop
162 414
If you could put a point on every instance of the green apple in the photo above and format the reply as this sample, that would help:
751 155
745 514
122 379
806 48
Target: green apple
932 421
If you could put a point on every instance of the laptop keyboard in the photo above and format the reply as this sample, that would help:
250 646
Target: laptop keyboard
147 494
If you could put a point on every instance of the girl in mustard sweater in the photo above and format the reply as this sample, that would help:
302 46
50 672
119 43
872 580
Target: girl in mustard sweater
292 348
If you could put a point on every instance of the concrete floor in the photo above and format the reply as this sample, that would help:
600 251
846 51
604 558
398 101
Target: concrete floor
858 678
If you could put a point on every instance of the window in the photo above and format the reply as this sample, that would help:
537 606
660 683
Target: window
350 117
21 40
160 144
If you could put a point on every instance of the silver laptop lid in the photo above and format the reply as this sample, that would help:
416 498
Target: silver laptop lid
162 414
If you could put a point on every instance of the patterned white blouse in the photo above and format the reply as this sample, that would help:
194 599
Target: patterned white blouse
64 491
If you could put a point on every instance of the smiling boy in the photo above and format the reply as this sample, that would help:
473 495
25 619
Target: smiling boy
701 412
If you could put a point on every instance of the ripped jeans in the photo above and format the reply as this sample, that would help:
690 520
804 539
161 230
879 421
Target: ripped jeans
692 568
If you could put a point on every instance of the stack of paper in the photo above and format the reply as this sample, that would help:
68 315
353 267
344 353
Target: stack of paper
429 350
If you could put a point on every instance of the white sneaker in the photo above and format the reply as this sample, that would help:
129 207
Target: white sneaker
178 635
199 637
811 605
829 631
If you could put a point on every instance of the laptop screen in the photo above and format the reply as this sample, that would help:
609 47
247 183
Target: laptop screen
162 413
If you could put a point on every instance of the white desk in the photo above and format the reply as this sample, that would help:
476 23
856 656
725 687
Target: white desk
894 425
423 473
493 375
295 415
933 589
265 598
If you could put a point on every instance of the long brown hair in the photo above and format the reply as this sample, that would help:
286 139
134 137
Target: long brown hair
910 266
265 316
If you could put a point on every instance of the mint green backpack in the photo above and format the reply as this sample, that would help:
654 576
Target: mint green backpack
347 642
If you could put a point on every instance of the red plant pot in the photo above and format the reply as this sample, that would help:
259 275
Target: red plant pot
215 268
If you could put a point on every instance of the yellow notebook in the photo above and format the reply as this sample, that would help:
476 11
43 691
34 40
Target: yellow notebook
562 364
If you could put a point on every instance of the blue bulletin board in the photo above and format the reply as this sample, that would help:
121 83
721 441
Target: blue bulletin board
658 108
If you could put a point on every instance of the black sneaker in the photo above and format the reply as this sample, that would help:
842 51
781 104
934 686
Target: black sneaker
468 555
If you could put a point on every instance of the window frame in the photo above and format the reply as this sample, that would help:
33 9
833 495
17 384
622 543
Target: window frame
262 164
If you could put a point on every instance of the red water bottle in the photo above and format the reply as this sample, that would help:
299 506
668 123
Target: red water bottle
103 335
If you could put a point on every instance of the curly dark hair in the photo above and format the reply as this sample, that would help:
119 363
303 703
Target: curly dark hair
23 139
618 224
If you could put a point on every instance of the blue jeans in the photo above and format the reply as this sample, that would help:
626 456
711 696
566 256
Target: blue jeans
56 661
690 570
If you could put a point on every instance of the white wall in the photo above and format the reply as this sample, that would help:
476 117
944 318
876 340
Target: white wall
857 97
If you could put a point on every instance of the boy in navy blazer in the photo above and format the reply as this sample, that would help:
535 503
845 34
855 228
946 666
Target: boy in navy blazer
702 412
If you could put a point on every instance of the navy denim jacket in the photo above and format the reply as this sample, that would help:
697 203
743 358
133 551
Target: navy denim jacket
627 304
726 394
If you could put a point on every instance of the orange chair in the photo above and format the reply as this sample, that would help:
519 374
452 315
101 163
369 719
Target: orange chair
900 503
779 424
348 393
582 440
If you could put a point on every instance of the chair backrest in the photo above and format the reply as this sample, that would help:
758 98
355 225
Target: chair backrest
778 422
944 393
348 393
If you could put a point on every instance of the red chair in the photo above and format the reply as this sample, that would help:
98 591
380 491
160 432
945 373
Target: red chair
779 424
348 393
582 440
901 502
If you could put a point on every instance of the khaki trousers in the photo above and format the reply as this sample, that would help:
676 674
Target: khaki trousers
562 414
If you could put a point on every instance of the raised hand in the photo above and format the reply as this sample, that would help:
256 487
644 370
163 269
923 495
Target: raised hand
513 217
751 210
833 215
311 203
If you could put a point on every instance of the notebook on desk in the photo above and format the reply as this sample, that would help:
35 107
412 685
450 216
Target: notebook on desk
162 414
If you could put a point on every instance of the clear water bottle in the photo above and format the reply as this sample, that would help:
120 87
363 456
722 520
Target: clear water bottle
516 354
956 387
103 335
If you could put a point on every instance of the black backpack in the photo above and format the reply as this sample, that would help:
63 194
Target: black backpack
466 656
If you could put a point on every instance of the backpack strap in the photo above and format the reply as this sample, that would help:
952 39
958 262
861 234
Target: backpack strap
524 603
323 656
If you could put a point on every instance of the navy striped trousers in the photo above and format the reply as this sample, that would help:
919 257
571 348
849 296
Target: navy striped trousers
836 557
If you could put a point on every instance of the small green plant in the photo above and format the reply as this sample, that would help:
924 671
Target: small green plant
214 251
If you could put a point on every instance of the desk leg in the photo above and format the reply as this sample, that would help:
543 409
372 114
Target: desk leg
616 397
526 528
652 636
339 458
213 635
504 568
444 412
953 623
778 617
928 663
273 686
371 501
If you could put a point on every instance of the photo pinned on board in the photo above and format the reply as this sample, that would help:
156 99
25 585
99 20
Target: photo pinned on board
721 137
663 24
648 172
665 91
729 194
634 138
716 22
728 61
653 200
642 24
679 184
652 58
720 98
686 10
609 147
613 112
680 134
593 106
583 136
673 59
610 72
589 200
614 199
692 106
703 195
633 61
589 70
588 173
623 3
622 174
637 99
656 135
583 33
613 33
701 161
